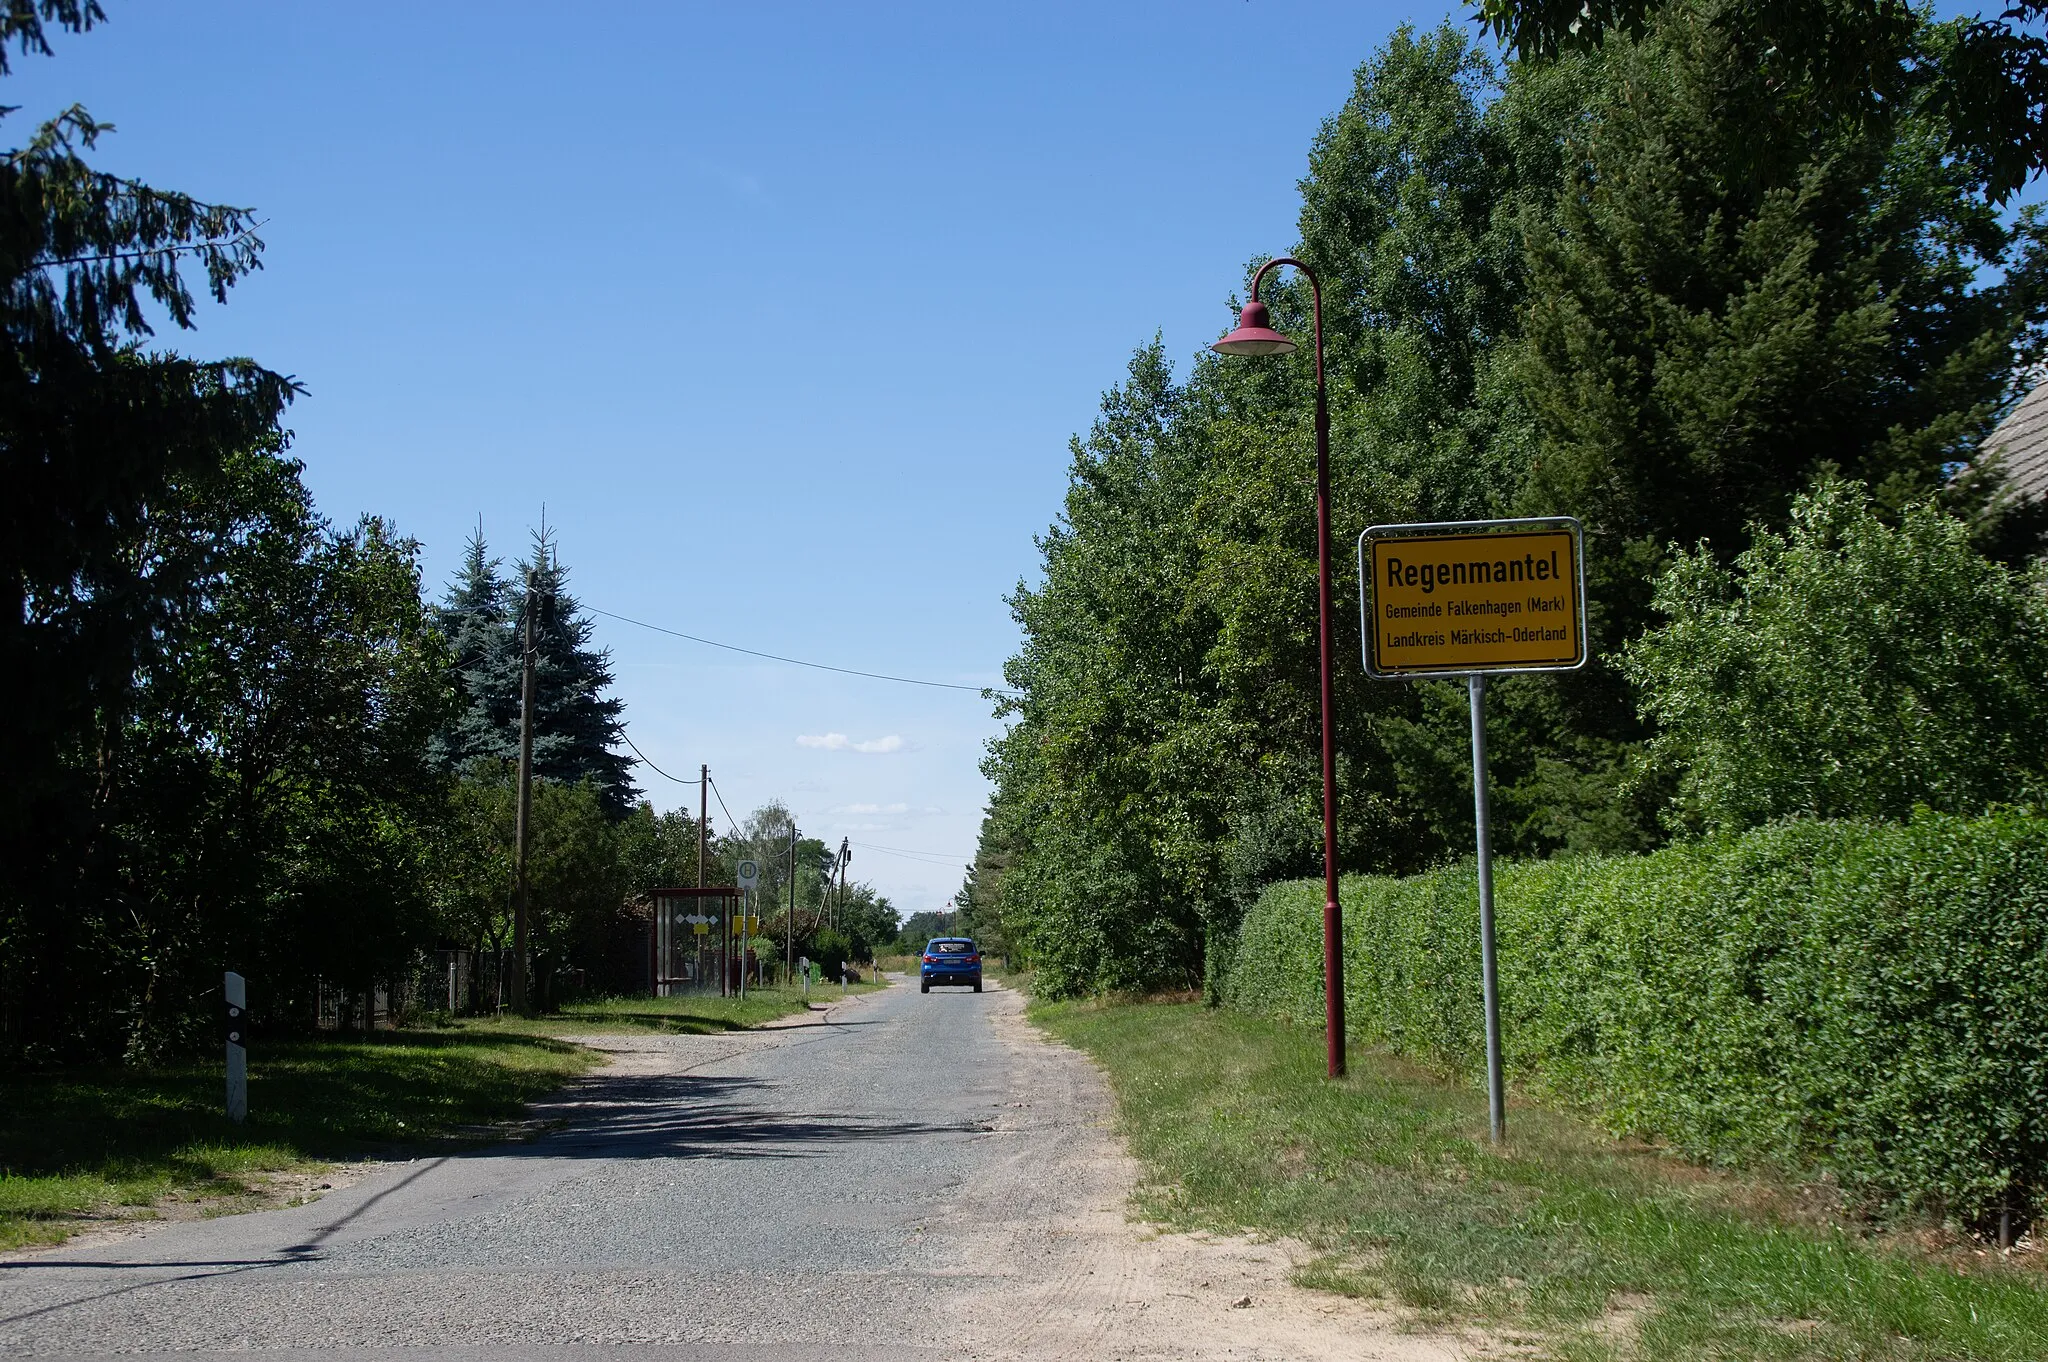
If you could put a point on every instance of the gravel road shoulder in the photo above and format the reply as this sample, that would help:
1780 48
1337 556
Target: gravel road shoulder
1068 1273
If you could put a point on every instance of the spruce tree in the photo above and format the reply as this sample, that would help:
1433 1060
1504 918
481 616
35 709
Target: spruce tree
477 618
97 425
576 723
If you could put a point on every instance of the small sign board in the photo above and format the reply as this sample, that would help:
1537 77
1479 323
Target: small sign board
1475 596
750 874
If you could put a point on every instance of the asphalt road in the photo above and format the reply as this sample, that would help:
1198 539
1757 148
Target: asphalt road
816 1190
904 1176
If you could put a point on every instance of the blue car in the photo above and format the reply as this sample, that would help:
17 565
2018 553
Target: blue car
949 960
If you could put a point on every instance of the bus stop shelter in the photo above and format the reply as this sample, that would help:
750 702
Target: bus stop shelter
688 941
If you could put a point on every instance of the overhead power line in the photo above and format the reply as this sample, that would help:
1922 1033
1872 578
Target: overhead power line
929 857
649 764
926 857
721 804
799 662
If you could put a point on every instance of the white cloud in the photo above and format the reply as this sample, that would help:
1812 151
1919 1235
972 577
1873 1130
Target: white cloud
839 742
872 808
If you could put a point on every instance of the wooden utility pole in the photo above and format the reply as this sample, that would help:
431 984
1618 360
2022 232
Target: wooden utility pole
703 850
520 912
789 911
845 855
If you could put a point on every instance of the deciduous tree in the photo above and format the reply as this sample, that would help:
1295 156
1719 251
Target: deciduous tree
1847 668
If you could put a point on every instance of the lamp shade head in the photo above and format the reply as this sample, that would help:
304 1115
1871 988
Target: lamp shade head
1254 335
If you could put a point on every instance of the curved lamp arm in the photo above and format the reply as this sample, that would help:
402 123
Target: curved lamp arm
1255 336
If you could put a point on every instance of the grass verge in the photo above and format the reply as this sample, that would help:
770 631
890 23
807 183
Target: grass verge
1603 1250
85 1146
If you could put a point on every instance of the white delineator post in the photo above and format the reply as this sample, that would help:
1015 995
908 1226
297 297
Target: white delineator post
237 993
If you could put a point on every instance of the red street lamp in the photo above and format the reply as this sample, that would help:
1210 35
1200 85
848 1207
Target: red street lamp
1255 336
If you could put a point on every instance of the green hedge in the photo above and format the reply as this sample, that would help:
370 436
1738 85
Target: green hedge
1869 1000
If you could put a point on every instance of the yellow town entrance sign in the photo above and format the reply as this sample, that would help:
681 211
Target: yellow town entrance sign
1473 596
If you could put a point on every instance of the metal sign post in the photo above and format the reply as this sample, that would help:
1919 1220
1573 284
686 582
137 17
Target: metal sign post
750 878
1474 598
1489 977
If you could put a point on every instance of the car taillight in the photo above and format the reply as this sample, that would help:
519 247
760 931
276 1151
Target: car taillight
973 959
931 959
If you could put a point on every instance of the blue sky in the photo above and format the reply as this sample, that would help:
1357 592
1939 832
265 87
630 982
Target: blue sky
784 312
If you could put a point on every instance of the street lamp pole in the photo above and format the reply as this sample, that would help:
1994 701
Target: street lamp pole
1255 336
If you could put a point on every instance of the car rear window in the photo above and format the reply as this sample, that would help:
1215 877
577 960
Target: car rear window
952 948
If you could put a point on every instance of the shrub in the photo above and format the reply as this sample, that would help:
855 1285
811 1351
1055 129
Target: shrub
1866 1000
1846 668
829 951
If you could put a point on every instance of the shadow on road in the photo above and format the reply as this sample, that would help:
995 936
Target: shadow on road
697 1117
626 1117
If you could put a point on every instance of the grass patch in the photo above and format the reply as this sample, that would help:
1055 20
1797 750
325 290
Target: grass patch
81 1144
1606 1250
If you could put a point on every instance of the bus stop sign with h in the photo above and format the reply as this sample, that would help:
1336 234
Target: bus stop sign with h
1475 598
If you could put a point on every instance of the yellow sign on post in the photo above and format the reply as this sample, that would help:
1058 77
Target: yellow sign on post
1472 597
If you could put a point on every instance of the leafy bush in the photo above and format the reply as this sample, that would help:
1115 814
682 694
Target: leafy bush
1846 669
1866 1000
829 951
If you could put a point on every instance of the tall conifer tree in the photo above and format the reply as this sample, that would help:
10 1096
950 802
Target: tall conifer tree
577 724
95 429
476 617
